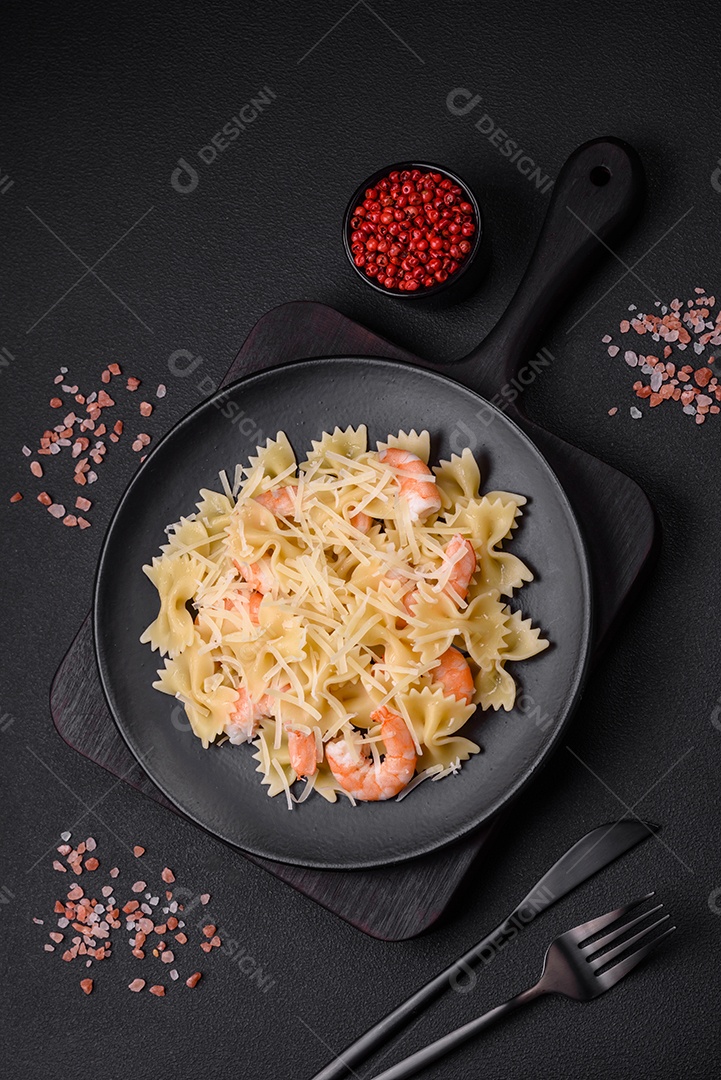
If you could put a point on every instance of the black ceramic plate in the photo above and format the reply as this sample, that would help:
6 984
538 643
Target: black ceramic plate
218 788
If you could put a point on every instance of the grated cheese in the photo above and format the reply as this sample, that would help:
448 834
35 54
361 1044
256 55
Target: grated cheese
331 641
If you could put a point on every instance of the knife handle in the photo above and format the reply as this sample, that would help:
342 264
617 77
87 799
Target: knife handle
376 1036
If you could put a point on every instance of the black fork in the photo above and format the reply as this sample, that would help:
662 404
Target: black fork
574 966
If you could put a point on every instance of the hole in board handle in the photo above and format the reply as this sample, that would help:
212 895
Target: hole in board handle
599 175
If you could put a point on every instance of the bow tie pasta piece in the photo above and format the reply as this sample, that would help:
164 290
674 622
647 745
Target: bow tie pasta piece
177 579
436 720
189 535
458 480
495 687
191 678
418 443
273 463
335 449
488 522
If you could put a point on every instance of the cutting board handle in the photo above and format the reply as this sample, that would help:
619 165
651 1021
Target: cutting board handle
598 194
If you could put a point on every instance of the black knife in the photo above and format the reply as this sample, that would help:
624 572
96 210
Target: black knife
589 855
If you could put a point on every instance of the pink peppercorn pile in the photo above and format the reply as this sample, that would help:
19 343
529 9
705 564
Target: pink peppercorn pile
412 230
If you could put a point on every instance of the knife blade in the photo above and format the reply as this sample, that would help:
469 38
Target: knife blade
593 852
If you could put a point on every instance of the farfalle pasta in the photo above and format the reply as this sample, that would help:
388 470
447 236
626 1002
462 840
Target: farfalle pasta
346 614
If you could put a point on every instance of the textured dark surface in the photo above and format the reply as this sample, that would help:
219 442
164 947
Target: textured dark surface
98 110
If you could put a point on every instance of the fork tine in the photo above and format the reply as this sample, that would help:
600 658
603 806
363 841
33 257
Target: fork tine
605 958
595 946
615 974
586 930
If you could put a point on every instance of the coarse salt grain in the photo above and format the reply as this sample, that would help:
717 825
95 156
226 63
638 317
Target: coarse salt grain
95 921
64 435
680 325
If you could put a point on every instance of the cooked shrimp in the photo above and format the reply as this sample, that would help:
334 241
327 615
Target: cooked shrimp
259 575
303 751
361 778
242 723
461 554
409 600
362 522
416 482
454 675
281 501
250 601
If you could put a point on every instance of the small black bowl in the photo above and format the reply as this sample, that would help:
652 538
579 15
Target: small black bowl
456 285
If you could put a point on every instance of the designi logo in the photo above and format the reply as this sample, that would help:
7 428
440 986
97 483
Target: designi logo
185 177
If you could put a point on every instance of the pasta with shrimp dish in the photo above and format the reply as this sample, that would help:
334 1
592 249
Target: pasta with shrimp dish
346 614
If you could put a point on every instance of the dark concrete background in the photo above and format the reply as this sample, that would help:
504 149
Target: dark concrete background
98 108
